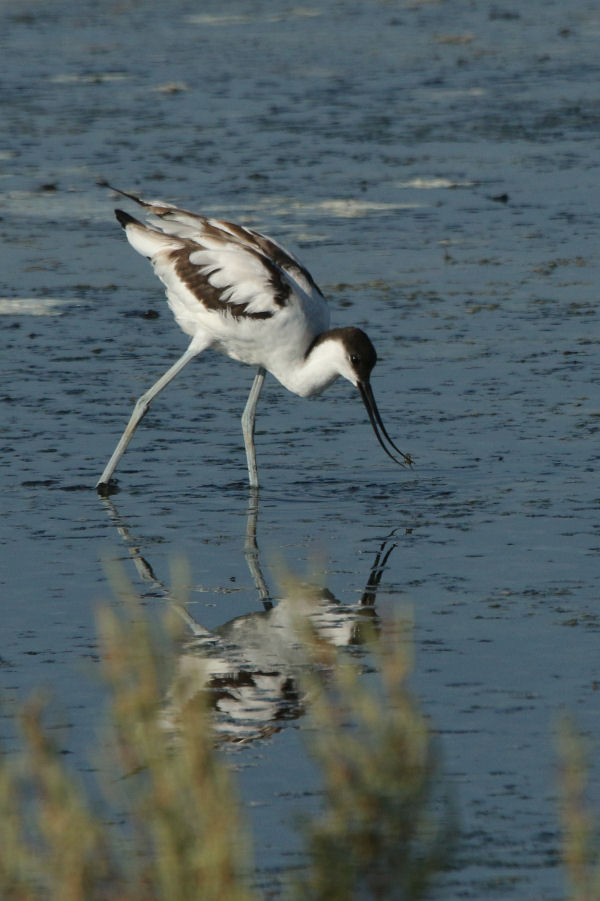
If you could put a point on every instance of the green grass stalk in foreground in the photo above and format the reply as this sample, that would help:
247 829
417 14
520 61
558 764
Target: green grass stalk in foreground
183 812
380 835
52 846
174 829
580 831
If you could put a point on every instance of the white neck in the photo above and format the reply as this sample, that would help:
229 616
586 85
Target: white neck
315 372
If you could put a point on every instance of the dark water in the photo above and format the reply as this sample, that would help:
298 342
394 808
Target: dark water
437 167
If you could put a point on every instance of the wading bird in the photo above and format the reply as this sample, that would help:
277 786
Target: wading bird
243 294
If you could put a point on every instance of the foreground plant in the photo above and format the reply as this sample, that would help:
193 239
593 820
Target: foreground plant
183 814
52 844
580 830
383 833
174 830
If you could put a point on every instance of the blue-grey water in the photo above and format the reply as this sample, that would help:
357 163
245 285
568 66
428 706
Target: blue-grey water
437 167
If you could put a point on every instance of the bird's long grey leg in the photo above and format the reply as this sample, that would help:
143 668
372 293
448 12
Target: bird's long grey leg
252 555
139 411
248 417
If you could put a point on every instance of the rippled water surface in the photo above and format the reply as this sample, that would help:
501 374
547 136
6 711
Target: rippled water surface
436 165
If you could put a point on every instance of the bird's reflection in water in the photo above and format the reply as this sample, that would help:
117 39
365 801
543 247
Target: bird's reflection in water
250 665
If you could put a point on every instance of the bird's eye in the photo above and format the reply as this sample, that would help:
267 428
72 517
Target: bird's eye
354 359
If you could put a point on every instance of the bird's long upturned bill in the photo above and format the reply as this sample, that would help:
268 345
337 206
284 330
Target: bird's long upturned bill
366 392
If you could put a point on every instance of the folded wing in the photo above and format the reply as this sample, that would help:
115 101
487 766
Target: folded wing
227 267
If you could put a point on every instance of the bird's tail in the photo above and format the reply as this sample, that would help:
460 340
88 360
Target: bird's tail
146 240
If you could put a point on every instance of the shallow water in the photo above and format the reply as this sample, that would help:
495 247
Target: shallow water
436 165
